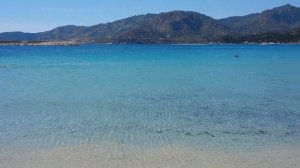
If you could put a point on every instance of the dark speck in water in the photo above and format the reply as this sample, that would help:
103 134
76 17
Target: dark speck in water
210 134
260 132
159 131
188 134
71 132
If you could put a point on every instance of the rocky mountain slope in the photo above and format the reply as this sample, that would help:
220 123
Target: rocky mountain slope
172 27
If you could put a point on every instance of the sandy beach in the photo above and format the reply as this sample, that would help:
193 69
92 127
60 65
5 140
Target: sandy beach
112 156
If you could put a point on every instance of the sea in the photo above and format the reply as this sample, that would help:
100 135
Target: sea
224 97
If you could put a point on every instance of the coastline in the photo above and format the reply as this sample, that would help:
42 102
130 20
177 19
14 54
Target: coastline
39 43
113 156
75 43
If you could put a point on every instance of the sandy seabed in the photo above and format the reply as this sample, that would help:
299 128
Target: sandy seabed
112 156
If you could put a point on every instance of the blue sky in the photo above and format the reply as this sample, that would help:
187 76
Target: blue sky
41 15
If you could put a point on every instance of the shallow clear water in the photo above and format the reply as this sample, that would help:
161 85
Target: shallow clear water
148 95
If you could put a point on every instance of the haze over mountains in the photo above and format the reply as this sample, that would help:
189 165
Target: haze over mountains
281 24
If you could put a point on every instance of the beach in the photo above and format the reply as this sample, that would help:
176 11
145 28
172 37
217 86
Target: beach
114 156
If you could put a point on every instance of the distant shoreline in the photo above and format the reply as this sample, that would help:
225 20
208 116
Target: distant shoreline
39 43
75 43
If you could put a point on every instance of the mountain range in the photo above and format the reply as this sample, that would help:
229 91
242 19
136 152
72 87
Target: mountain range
281 24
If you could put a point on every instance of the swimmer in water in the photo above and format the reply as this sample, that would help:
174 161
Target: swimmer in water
4 66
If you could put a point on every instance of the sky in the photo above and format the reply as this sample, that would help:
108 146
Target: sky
42 15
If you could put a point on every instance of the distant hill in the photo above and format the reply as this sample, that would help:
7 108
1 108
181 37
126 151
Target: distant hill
281 19
284 37
17 36
175 27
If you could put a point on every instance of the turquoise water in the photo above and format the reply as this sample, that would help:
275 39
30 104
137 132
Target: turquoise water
149 95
